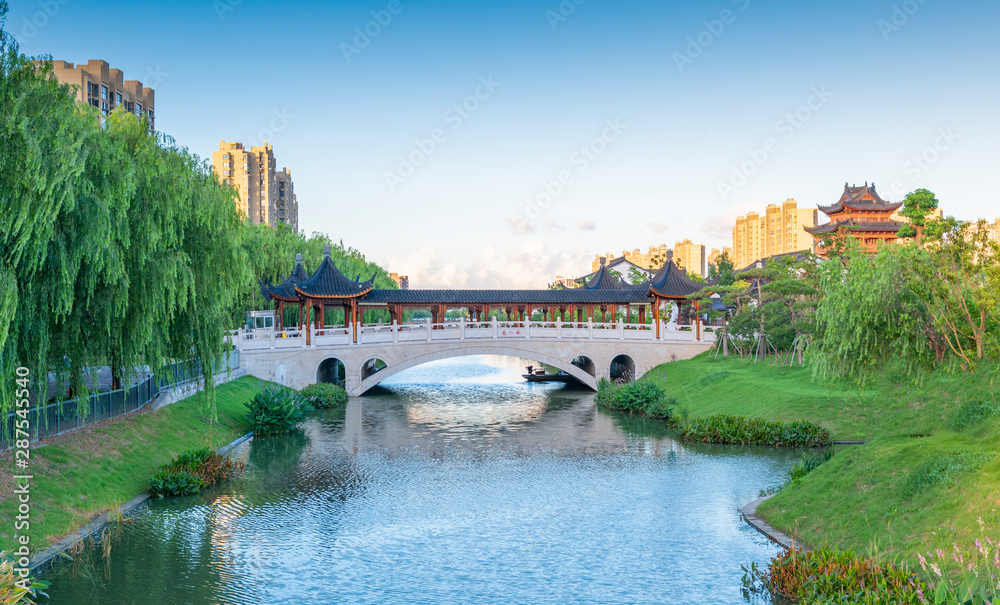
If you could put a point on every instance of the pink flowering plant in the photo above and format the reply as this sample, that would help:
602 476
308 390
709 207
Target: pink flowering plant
963 577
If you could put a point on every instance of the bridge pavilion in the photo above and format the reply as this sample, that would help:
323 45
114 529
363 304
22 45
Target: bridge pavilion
601 297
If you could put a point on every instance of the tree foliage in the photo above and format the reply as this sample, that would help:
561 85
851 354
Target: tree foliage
916 206
117 247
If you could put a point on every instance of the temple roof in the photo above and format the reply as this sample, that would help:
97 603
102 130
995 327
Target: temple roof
329 282
884 226
286 290
861 198
672 282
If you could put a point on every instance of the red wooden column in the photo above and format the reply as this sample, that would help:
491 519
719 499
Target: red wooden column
486 313
656 315
305 321
642 314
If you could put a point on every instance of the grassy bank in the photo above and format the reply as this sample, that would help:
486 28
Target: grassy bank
88 473
927 475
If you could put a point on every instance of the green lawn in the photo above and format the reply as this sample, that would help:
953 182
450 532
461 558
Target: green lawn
704 386
91 472
926 476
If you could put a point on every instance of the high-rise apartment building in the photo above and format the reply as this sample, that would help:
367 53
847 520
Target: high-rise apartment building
781 229
288 204
691 257
266 196
106 88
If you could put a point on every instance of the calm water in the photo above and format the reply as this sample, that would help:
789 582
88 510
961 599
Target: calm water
456 483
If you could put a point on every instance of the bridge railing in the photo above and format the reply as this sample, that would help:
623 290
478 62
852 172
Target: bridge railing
461 329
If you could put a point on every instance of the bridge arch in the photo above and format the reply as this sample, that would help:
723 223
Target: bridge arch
331 370
622 366
372 367
586 364
398 366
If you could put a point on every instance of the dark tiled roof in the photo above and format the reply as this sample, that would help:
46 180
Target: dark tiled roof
329 282
286 290
861 198
604 280
671 282
887 226
570 296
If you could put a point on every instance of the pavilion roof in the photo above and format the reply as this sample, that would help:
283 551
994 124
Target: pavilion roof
603 279
882 226
672 282
861 198
567 296
329 282
286 289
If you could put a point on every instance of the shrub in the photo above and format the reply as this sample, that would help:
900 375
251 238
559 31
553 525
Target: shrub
276 411
831 576
324 395
15 590
640 396
174 483
191 471
739 430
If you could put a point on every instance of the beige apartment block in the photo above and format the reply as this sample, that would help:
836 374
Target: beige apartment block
691 257
653 259
106 88
266 196
715 254
995 230
780 230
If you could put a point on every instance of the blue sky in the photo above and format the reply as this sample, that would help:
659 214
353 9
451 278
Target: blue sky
715 108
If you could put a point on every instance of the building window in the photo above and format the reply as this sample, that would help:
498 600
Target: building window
118 98
104 92
138 109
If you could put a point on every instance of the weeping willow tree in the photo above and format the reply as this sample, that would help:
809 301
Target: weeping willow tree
116 247
872 313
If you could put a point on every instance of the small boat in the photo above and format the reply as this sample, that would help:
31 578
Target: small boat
539 375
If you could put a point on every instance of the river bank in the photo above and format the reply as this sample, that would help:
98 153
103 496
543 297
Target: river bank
91 472
925 478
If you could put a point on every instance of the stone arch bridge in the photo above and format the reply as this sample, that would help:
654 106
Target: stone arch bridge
588 352
603 328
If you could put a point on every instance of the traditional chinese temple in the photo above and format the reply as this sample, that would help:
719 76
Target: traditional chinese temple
599 299
862 214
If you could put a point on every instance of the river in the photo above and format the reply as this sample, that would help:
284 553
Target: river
454 482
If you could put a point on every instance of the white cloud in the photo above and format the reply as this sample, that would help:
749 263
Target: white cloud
426 270
553 225
721 225
658 227
521 224
532 266
584 225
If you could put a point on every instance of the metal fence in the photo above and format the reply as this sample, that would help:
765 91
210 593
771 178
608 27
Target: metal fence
62 417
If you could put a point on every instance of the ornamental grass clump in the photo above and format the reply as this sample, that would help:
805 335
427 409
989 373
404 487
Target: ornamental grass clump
191 471
324 395
276 411
739 430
